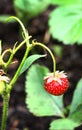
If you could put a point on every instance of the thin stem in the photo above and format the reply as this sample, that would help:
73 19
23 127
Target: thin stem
5 111
21 44
2 56
6 51
9 60
22 26
13 17
12 53
19 68
52 56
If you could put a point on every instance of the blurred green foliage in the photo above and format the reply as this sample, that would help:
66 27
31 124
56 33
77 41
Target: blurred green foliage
65 21
30 8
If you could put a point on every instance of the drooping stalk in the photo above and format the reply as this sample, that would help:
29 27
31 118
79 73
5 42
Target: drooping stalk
22 27
50 52
5 110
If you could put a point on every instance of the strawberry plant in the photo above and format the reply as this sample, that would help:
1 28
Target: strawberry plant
7 82
44 90
43 102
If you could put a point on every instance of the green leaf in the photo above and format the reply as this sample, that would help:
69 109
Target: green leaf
63 124
66 2
38 100
77 97
66 24
77 115
3 18
31 7
29 61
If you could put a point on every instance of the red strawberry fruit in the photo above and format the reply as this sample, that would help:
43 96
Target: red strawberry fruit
56 85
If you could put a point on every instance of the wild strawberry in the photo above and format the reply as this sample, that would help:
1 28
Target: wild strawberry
56 85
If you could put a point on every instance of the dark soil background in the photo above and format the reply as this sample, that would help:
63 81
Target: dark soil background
19 116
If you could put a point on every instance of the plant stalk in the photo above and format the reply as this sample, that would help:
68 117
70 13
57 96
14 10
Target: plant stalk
5 111
51 54
19 68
